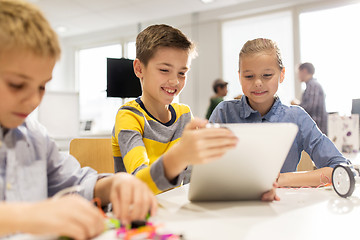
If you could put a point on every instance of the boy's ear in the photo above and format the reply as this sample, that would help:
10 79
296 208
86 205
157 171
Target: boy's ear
138 68
282 75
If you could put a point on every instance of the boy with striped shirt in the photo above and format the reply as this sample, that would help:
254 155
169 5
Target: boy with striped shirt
153 138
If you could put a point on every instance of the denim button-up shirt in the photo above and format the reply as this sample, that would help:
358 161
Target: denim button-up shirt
309 138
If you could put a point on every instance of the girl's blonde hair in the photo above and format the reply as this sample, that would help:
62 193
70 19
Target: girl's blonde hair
23 27
261 45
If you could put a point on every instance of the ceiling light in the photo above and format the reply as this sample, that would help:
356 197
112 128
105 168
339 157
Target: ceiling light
61 29
207 1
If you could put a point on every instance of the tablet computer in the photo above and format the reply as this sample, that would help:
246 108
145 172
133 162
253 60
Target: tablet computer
248 170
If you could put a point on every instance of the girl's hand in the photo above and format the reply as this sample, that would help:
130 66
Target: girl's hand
271 195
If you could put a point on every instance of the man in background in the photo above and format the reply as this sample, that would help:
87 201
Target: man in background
313 98
220 89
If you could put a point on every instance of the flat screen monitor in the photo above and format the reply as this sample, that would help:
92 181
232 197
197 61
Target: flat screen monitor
121 79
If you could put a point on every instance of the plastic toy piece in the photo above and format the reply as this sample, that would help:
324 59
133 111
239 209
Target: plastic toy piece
137 224
343 180
148 231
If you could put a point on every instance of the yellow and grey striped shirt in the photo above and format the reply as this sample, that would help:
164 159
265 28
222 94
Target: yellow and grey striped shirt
139 140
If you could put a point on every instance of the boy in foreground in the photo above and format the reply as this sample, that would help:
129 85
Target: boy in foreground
31 168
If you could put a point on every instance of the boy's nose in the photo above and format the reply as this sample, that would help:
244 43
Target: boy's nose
258 82
33 99
174 81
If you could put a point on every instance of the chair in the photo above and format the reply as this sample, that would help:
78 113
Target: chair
93 152
305 164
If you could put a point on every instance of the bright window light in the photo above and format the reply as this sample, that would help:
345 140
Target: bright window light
94 105
278 27
330 40
131 50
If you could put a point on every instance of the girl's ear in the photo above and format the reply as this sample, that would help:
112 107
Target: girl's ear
138 68
282 75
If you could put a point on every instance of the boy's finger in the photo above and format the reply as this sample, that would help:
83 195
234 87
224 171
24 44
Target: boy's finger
84 224
213 154
219 143
126 194
96 221
73 231
154 205
196 123
137 204
145 205
115 203
216 133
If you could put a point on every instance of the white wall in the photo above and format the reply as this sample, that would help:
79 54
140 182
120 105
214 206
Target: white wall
203 28
209 64
204 69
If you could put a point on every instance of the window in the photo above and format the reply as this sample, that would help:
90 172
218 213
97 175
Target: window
277 27
131 50
330 41
94 105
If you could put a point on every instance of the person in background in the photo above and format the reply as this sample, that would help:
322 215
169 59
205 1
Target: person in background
220 89
313 98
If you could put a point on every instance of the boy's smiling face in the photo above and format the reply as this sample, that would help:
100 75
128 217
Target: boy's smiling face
260 76
23 77
164 76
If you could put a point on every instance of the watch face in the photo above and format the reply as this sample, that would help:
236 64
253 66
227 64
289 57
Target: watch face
343 181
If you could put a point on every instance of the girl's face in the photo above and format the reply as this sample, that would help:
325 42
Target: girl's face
260 76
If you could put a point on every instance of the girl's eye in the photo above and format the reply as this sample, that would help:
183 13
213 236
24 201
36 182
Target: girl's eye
182 73
164 70
248 76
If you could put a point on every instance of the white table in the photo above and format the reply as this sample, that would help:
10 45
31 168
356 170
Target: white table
300 214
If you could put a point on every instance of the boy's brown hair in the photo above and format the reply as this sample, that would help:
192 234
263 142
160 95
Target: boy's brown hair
155 36
23 27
